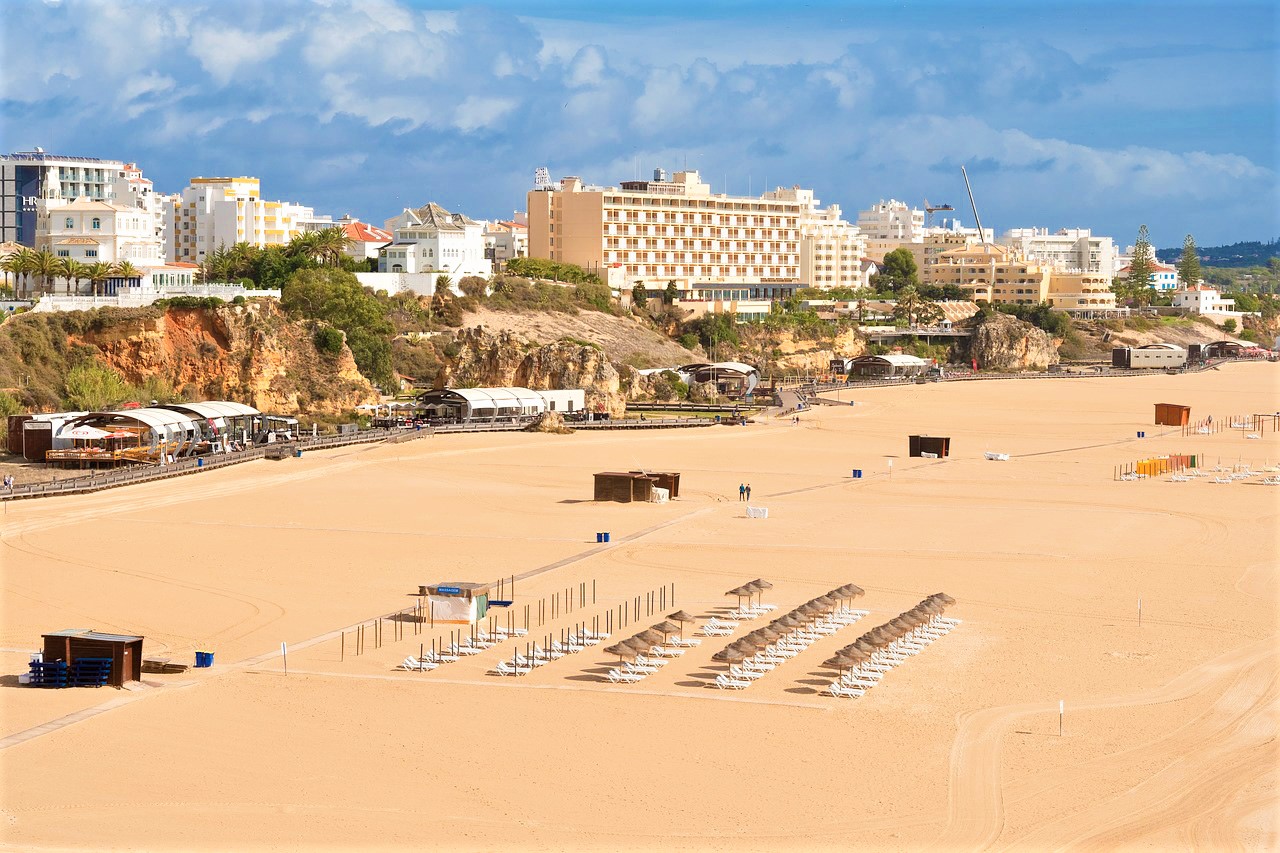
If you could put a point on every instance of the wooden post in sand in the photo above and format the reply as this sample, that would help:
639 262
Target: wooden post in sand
1139 611
343 653
1062 705
593 590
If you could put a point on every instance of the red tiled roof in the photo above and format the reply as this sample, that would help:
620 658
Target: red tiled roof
363 232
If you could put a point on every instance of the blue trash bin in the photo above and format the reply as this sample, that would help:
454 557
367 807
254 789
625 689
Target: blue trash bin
204 660
599 537
717 419
1142 434
857 473
606 536
297 454
200 462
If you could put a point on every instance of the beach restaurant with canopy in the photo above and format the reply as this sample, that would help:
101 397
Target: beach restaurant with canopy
152 434
469 405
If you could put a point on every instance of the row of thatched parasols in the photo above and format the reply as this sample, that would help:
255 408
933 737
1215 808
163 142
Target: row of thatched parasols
877 639
750 590
801 617
642 642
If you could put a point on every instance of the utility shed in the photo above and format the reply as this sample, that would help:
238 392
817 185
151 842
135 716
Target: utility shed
938 445
669 480
1172 414
124 650
624 486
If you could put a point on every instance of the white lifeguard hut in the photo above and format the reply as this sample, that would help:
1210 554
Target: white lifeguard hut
457 602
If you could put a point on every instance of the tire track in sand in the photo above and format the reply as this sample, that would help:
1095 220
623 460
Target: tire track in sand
975 812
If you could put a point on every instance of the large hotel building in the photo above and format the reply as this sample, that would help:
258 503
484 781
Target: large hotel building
677 230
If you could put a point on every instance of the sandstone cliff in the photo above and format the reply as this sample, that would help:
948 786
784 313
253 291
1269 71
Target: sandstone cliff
1003 342
250 353
478 358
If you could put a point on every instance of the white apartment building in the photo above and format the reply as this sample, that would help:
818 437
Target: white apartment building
31 180
430 239
1164 277
892 220
658 231
92 231
220 212
832 250
1067 250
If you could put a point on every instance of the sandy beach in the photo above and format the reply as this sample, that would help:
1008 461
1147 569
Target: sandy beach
1169 734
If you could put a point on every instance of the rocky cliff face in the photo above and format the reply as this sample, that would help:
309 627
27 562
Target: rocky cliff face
785 351
478 358
1003 342
250 353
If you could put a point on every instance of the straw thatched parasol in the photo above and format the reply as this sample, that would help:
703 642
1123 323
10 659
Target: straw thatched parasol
943 598
853 590
729 655
681 616
622 651
666 628
740 591
636 643
650 636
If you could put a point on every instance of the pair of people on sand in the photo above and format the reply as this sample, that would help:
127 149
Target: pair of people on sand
744 491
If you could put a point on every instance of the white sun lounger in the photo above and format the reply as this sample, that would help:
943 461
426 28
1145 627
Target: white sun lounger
724 682
844 692
617 676
503 667
415 665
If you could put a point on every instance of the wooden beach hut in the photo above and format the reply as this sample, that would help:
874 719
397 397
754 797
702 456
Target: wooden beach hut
669 480
624 486
1172 414
124 651
938 445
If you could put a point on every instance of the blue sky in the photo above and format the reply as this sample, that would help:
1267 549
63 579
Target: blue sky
1101 115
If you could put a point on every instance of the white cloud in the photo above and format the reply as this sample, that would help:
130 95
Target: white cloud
478 112
222 51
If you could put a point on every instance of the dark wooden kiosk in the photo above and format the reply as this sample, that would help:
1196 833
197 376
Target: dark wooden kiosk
1172 414
669 480
124 650
938 445
624 486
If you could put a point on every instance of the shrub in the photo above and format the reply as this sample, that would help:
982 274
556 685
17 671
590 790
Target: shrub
329 340
93 388
1229 326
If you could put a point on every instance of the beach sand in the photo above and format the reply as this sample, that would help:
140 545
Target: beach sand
1169 736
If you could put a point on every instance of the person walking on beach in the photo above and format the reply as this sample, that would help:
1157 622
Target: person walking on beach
742 492
748 491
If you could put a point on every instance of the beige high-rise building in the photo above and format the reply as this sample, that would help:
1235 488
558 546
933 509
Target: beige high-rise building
831 249
670 230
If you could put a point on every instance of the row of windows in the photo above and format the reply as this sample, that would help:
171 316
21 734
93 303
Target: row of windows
699 257
702 204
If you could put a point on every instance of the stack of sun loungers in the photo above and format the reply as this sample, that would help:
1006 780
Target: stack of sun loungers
571 643
765 648
864 662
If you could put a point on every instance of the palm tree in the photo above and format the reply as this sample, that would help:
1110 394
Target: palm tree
21 263
125 270
913 307
72 270
330 245
45 264
304 245
98 273
9 266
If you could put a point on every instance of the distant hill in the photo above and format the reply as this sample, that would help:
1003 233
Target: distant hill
1253 254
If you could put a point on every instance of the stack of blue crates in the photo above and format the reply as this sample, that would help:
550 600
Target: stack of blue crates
90 672
52 674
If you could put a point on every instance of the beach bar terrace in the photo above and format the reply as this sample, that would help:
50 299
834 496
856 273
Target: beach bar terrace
150 435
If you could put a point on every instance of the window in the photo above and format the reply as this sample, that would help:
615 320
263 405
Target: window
91 253
68 223
64 253
96 224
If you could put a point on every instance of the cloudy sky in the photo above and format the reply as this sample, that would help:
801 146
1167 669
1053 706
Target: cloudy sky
1081 114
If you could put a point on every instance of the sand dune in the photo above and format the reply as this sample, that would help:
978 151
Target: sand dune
1170 727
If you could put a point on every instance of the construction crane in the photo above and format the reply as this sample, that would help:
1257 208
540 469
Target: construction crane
929 210
982 235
